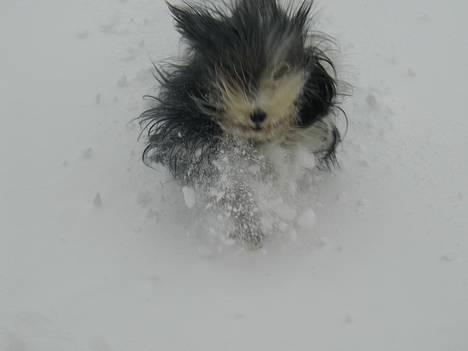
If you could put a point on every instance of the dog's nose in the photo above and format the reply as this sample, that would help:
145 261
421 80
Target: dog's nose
258 117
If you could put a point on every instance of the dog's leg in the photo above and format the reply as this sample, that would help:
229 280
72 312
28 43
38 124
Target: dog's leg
239 204
321 139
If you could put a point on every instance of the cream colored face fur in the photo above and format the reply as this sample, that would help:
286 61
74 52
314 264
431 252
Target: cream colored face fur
276 96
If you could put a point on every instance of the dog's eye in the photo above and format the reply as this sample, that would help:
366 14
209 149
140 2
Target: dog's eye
281 70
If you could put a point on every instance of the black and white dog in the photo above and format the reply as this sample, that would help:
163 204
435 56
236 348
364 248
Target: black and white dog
254 74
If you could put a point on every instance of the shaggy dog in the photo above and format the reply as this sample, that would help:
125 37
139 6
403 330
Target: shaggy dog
254 74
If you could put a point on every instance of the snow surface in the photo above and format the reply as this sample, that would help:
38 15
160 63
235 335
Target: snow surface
98 252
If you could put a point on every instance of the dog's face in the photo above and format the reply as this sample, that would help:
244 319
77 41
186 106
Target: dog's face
265 110
259 72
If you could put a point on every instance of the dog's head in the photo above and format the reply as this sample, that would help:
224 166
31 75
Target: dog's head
262 70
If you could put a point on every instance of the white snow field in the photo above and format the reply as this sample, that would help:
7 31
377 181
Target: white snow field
100 253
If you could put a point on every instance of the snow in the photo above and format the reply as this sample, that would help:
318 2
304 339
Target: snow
189 196
307 219
375 256
97 202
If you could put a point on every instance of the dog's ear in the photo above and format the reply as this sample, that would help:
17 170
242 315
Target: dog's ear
195 24
319 91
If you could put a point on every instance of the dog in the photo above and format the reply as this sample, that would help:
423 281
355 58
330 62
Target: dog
254 74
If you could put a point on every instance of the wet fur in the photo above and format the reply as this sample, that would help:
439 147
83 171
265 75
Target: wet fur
242 58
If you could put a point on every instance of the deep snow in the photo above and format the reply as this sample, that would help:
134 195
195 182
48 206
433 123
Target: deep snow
99 253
